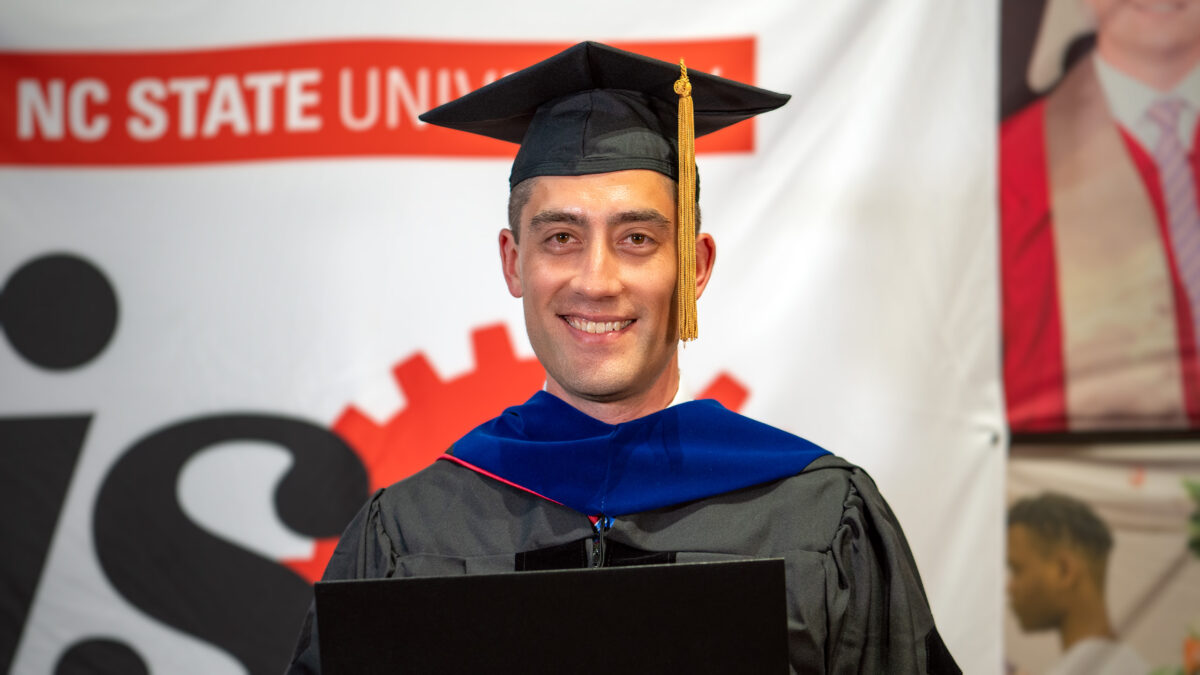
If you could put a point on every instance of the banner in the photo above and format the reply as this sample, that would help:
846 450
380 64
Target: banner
1098 213
1147 499
1098 222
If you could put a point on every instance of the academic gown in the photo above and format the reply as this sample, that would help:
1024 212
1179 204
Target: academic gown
855 599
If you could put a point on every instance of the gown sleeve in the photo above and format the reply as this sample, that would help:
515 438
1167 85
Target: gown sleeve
365 551
879 617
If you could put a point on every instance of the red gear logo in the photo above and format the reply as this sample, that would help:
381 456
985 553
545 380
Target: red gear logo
439 412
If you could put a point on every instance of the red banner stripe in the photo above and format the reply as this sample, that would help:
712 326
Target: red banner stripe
315 99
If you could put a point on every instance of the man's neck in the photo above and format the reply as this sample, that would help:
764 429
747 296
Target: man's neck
1085 620
657 398
1160 71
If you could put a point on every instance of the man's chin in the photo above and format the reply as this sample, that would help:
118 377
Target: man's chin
599 393
599 387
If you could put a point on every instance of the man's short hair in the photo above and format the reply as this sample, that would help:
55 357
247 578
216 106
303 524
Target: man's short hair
1058 519
519 195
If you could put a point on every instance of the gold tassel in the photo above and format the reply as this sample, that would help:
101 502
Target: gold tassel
686 283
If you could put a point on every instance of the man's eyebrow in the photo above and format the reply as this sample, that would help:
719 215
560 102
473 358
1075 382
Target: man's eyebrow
551 217
648 216
652 217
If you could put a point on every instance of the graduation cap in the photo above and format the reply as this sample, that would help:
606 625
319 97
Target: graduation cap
594 109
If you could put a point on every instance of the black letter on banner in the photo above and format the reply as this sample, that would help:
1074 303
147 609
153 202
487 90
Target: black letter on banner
189 578
58 311
37 458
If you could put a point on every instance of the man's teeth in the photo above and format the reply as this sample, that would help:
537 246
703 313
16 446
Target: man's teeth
597 326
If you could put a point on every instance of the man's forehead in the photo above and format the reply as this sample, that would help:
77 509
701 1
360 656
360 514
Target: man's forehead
629 177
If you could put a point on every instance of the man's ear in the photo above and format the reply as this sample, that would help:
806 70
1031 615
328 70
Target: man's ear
706 256
1068 567
509 262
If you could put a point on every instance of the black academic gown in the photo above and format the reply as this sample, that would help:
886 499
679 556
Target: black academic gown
855 600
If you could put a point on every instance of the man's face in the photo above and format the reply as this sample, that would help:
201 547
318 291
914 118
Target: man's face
1032 573
595 269
1161 29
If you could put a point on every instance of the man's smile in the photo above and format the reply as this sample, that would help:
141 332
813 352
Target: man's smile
589 326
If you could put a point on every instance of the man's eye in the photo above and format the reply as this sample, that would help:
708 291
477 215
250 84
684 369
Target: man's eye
637 239
562 238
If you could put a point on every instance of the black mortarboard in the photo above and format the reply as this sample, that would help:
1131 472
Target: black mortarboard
595 109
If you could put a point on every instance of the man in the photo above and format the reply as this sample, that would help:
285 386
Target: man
1057 559
600 468
1098 185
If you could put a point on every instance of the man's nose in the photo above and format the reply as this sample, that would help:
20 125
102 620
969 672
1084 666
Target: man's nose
599 274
